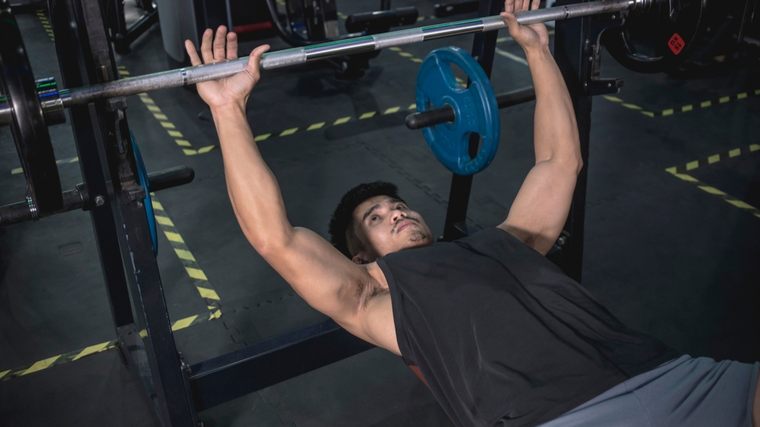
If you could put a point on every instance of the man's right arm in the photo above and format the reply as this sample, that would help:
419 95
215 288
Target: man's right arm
318 272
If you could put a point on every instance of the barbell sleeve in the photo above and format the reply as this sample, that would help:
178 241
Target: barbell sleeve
299 55
79 197
446 113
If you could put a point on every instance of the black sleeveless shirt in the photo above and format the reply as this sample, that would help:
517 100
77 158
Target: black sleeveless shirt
502 336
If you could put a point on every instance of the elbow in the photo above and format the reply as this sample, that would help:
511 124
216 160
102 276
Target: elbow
267 244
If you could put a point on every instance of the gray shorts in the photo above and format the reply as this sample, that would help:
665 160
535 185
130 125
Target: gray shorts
683 392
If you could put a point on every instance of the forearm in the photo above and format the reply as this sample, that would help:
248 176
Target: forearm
252 187
555 127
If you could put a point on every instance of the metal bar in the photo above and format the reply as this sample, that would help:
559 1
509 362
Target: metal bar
300 55
572 44
445 114
79 197
483 49
226 377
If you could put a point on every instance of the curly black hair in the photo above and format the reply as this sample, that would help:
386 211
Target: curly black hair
342 221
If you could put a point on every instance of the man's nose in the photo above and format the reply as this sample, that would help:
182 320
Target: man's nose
398 215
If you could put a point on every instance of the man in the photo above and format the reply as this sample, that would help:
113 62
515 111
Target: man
500 335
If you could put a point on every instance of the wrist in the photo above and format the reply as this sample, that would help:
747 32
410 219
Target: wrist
226 109
538 53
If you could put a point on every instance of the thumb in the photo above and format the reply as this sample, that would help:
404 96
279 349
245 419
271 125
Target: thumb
510 18
254 61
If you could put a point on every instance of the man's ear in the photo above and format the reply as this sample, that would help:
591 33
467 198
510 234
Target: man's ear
360 259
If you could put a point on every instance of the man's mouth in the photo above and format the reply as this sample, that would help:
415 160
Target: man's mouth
405 224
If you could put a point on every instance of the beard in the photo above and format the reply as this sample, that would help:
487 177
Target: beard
419 236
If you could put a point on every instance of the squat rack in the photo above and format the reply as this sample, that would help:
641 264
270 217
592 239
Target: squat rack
125 249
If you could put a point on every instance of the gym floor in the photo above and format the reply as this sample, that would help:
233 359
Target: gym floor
672 228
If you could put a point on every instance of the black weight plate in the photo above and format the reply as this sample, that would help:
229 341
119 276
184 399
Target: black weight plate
659 39
29 130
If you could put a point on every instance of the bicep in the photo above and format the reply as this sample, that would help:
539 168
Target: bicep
540 209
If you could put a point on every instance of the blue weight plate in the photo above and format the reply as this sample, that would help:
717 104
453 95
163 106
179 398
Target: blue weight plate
475 107
142 175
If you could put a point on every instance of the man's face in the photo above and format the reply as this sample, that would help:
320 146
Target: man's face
385 225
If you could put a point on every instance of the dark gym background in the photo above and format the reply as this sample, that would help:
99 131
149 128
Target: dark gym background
675 258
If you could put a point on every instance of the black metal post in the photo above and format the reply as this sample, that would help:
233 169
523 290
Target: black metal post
483 49
572 44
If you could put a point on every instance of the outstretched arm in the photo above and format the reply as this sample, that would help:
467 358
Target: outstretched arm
540 209
317 271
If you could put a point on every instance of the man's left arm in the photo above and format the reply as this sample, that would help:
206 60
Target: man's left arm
540 209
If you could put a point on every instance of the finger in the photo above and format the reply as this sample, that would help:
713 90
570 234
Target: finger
535 4
509 6
192 53
220 41
254 62
525 5
232 46
511 22
206 53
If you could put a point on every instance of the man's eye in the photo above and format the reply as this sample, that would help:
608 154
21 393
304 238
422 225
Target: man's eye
373 218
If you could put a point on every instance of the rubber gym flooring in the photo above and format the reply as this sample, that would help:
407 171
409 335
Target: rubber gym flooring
671 252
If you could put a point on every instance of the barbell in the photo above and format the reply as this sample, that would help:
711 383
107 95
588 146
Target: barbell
26 112
300 55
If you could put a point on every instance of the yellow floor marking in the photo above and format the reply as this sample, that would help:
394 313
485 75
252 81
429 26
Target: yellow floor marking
168 125
144 333
740 204
713 159
420 18
668 112
196 273
725 99
692 165
42 364
176 134
685 177
706 104
183 254
502 39
215 315
741 96
412 106
289 132
147 100
405 54
17 170
686 108
632 107
416 60
174 237
206 149
712 190
342 120
4 373
735 152
392 110
160 116
367 115
90 350
182 142
124 72
612 98
183 323
189 152
316 126
157 205
395 49
672 170
262 137
163 220
154 108
754 147
208 293
511 56
757 92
